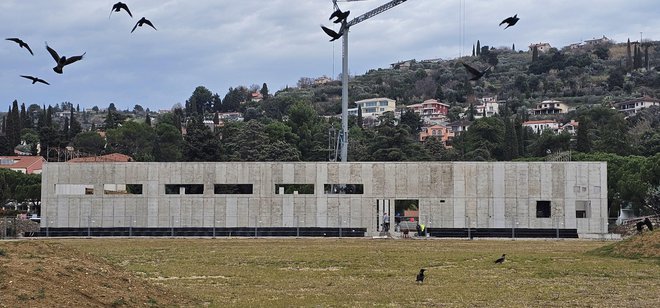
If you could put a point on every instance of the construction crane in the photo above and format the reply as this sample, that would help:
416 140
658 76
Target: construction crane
343 135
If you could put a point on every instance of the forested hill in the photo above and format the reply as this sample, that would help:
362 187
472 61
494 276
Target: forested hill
588 74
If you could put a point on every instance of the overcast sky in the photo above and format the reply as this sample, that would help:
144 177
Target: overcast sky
221 43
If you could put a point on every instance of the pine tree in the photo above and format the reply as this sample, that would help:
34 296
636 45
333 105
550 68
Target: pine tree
264 91
628 56
26 122
360 120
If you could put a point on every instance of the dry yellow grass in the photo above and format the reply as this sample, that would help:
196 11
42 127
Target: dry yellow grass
368 272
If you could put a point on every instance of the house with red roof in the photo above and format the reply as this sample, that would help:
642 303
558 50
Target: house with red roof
24 164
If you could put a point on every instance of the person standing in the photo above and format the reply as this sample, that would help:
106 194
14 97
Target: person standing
386 222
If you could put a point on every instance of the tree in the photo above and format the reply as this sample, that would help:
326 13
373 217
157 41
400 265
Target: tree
629 64
306 125
133 139
583 143
264 91
74 126
412 120
201 144
535 53
478 48
199 102
615 79
89 142
454 113
360 120
147 119
138 109
112 108
168 143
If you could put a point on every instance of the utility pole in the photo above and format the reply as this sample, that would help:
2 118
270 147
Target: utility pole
343 136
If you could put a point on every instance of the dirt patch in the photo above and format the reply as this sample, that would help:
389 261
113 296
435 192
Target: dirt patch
644 245
36 273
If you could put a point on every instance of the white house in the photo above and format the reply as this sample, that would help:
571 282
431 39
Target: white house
373 107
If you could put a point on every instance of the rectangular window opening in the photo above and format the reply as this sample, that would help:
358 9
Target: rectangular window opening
543 209
232 189
74 189
184 189
582 209
295 189
122 189
340 189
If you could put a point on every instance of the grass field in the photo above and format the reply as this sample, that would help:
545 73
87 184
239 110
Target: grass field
370 272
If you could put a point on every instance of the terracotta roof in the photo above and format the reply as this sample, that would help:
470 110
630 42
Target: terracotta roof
110 158
23 162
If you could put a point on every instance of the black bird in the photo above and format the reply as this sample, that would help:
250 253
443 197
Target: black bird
35 79
62 61
476 74
510 21
334 35
341 16
648 224
21 44
141 22
117 8
640 226
501 259
420 276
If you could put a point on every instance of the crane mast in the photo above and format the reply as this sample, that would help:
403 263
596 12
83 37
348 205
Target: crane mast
343 135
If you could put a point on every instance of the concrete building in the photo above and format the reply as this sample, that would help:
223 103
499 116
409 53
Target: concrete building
631 107
550 107
491 199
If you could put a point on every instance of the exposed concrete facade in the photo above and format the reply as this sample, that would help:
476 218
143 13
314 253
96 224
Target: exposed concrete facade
450 195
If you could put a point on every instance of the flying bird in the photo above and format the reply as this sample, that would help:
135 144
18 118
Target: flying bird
35 79
141 22
476 74
341 16
334 35
420 276
62 61
510 21
501 259
21 44
117 8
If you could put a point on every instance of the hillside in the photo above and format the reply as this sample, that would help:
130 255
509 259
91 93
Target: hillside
46 274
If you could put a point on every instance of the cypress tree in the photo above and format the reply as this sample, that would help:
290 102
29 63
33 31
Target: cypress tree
478 48
147 119
473 54
628 56
360 121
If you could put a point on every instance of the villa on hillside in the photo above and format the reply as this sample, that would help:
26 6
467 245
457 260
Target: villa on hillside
441 132
373 107
430 109
631 107
550 107
488 107
23 164
538 126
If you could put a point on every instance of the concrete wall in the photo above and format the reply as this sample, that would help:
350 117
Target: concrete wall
451 195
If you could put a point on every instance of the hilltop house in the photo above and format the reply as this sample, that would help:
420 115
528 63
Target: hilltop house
541 47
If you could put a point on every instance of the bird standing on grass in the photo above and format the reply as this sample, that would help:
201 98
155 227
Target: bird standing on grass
420 276
62 61
21 44
141 22
501 259
510 21
35 79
